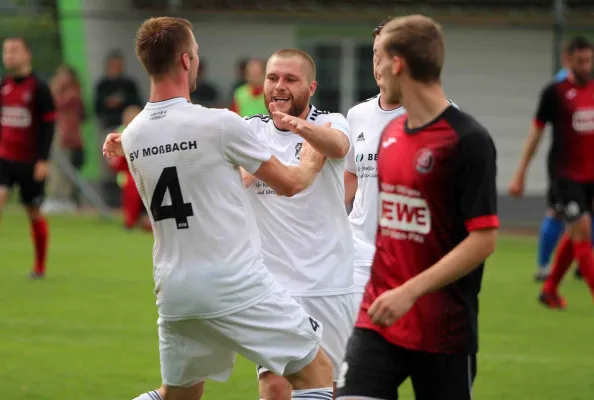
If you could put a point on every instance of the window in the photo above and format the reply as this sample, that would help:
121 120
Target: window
365 85
328 63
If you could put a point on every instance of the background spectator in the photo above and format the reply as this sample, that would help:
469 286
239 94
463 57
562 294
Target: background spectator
248 99
206 93
67 144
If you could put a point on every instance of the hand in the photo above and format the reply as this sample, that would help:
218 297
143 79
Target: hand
40 171
113 146
308 154
294 124
516 187
390 306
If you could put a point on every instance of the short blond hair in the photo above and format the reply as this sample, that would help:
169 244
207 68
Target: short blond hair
419 41
160 40
306 58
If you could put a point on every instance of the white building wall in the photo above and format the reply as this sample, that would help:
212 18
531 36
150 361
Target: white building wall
495 74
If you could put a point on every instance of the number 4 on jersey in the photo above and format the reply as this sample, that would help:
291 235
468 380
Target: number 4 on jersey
178 209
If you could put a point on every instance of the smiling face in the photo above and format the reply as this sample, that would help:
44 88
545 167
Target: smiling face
288 85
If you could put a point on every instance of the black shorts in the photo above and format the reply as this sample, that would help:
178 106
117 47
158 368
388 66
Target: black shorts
574 199
374 368
16 173
552 202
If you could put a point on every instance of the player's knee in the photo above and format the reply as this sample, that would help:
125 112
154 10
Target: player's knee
316 374
273 387
580 228
193 392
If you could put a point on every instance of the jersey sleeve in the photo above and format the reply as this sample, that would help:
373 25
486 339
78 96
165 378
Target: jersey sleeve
547 107
242 145
338 121
47 114
476 180
349 162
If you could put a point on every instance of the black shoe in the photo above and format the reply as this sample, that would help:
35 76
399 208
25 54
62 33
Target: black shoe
36 276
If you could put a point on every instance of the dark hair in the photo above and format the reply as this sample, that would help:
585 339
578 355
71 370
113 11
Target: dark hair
380 26
22 39
419 41
578 43
160 40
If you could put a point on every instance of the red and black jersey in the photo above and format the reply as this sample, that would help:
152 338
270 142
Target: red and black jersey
569 107
436 183
26 119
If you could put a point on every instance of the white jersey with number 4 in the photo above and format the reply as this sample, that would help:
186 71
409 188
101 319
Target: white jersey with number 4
306 239
185 161
367 121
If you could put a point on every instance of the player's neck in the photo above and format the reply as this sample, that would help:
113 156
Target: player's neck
384 105
423 102
166 89
22 72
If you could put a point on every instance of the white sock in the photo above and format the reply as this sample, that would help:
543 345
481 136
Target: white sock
312 394
152 395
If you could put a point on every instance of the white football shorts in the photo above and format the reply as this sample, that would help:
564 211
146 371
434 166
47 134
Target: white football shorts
337 314
276 333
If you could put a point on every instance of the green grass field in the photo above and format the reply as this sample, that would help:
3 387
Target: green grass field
88 332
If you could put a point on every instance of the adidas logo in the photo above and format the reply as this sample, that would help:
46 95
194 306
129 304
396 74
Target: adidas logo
361 137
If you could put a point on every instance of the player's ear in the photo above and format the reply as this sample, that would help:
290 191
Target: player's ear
185 61
312 88
397 65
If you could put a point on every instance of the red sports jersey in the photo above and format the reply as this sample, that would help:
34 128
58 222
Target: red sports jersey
436 184
26 104
570 109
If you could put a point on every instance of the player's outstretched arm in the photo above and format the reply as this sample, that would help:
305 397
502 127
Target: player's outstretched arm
547 108
288 181
331 142
112 147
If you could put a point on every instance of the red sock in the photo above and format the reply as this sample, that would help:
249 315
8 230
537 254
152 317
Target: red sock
583 252
562 262
40 234
131 204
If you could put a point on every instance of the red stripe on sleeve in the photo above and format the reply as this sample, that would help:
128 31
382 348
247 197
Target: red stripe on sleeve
49 117
482 222
538 124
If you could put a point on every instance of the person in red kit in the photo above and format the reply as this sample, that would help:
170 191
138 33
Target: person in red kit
26 133
568 105
131 201
437 225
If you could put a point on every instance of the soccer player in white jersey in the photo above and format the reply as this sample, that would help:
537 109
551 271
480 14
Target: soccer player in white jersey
306 239
214 294
367 121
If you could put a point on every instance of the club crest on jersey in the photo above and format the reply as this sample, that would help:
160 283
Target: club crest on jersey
424 161
27 97
571 93
298 151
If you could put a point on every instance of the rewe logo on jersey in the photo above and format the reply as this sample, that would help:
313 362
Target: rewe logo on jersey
583 120
16 117
404 213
